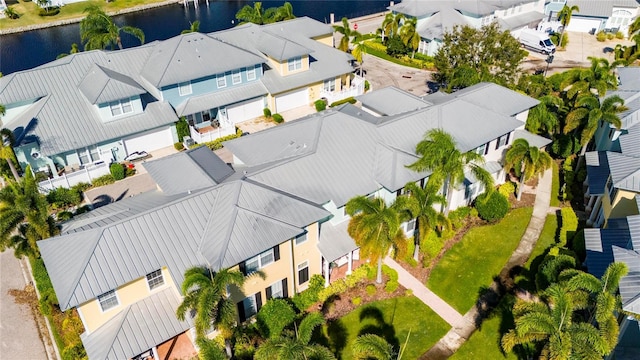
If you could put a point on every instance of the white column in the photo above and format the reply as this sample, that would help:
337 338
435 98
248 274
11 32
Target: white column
589 206
155 353
326 272
349 263
596 210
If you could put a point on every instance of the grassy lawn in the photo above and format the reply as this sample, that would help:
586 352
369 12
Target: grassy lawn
473 262
29 11
393 319
555 185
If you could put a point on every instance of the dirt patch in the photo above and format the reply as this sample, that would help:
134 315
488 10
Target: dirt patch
342 304
28 298
526 200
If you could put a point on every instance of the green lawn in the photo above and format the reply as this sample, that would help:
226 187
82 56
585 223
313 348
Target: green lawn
473 262
393 319
555 185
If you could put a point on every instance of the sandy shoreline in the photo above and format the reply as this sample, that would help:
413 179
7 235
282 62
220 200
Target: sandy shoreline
78 19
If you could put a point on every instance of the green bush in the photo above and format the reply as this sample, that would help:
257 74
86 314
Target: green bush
601 36
565 145
273 317
178 146
375 45
217 143
266 112
303 300
619 35
278 118
391 286
578 245
396 47
492 207
182 128
507 189
356 300
64 215
569 226
320 105
458 216
342 285
49 12
610 36
117 171
81 187
48 297
349 100
129 171
371 289
104 180
367 85
63 197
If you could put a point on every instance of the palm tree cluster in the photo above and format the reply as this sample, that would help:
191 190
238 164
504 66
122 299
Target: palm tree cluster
258 15
98 31
629 54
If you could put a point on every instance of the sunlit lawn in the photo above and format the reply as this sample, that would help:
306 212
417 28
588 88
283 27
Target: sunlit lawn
473 262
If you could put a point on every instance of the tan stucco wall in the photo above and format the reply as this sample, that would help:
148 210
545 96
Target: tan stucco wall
283 69
624 204
136 290
307 251
325 39
314 91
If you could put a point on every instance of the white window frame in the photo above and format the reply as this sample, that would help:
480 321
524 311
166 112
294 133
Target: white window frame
302 266
254 306
184 88
329 85
295 63
234 80
301 239
107 296
221 81
123 105
251 73
481 149
260 259
151 284
502 140
273 294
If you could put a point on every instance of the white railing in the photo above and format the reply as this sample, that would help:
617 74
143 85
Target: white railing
357 88
211 135
85 175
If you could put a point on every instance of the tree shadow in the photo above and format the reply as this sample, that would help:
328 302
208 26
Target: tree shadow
337 337
124 193
379 326
101 200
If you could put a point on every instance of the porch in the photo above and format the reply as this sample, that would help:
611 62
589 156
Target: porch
340 254
356 88
72 176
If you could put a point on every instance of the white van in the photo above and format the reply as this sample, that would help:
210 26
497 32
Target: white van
537 41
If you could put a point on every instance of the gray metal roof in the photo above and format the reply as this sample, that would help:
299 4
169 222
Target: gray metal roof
634 230
304 26
533 139
190 170
421 8
102 85
391 101
625 171
335 241
520 20
630 283
600 8
391 168
597 171
137 328
219 227
278 47
598 243
193 56
630 142
441 22
219 98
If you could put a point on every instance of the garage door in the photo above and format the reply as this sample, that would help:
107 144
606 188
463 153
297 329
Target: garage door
583 25
292 100
149 141
245 110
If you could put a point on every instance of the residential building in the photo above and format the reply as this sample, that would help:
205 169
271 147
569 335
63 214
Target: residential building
91 108
279 208
435 18
596 15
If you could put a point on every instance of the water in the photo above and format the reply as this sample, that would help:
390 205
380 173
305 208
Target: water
29 49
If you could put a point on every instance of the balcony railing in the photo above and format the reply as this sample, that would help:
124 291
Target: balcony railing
84 175
224 128
357 88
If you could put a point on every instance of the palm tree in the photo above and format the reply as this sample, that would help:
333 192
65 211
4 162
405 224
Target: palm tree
6 150
98 30
409 34
375 227
74 50
420 203
589 112
597 79
565 17
634 28
529 160
194 27
250 14
296 345
285 12
358 51
551 324
205 293
347 34
390 24
439 154
209 349
543 118
371 346
24 216
11 13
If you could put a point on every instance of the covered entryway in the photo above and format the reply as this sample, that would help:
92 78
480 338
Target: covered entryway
245 110
149 141
292 100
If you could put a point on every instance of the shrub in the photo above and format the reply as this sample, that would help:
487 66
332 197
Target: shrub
367 85
371 289
349 100
492 207
458 216
117 171
104 180
565 145
507 189
129 171
64 215
601 36
430 246
619 35
273 317
81 187
303 300
578 245
569 225
392 284
178 146
266 112
342 285
182 128
278 118
396 47
217 143
63 197
356 300
610 36
49 11
320 105
375 45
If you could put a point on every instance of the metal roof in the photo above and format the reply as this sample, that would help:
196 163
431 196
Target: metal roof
630 283
598 243
520 20
137 328
391 101
441 22
625 171
303 25
190 170
597 171
630 142
335 241
421 8
219 227
102 85
390 169
599 8
280 48
533 139
634 230
219 98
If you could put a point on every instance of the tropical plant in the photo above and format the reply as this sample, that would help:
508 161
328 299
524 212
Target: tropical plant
45 4
296 345
420 206
209 349
24 216
590 110
409 35
205 293
274 317
74 50
597 78
285 12
375 227
439 154
251 14
371 346
193 27
6 150
528 160
99 31
492 206
358 51
627 55
347 34
565 17
544 117
390 24
634 28
11 13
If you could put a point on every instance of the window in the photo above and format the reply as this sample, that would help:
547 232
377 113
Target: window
329 85
276 290
481 150
94 153
295 63
251 74
83 156
249 306
155 279
108 300
610 188
301 239
236 77
258 262
303 273
184 88
120 107
411 226
502 141
221 80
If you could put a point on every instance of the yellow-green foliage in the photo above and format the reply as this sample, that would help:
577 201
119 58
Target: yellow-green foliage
601 36
431 245
342 285
392 284
217 143
507 189
376 46
569 225
356 300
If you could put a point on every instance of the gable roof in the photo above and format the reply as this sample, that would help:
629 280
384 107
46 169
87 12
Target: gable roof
219 227
600 8
391 101
598 243
421 8
630 283
625 171
629 141
278 47
102 85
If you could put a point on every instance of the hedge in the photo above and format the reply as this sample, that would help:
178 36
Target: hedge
304 299
569 225
217 143
342 285
507 189
493 208
278 118
349 100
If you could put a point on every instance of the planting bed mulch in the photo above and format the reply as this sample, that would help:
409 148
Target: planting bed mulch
527 200
28 297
